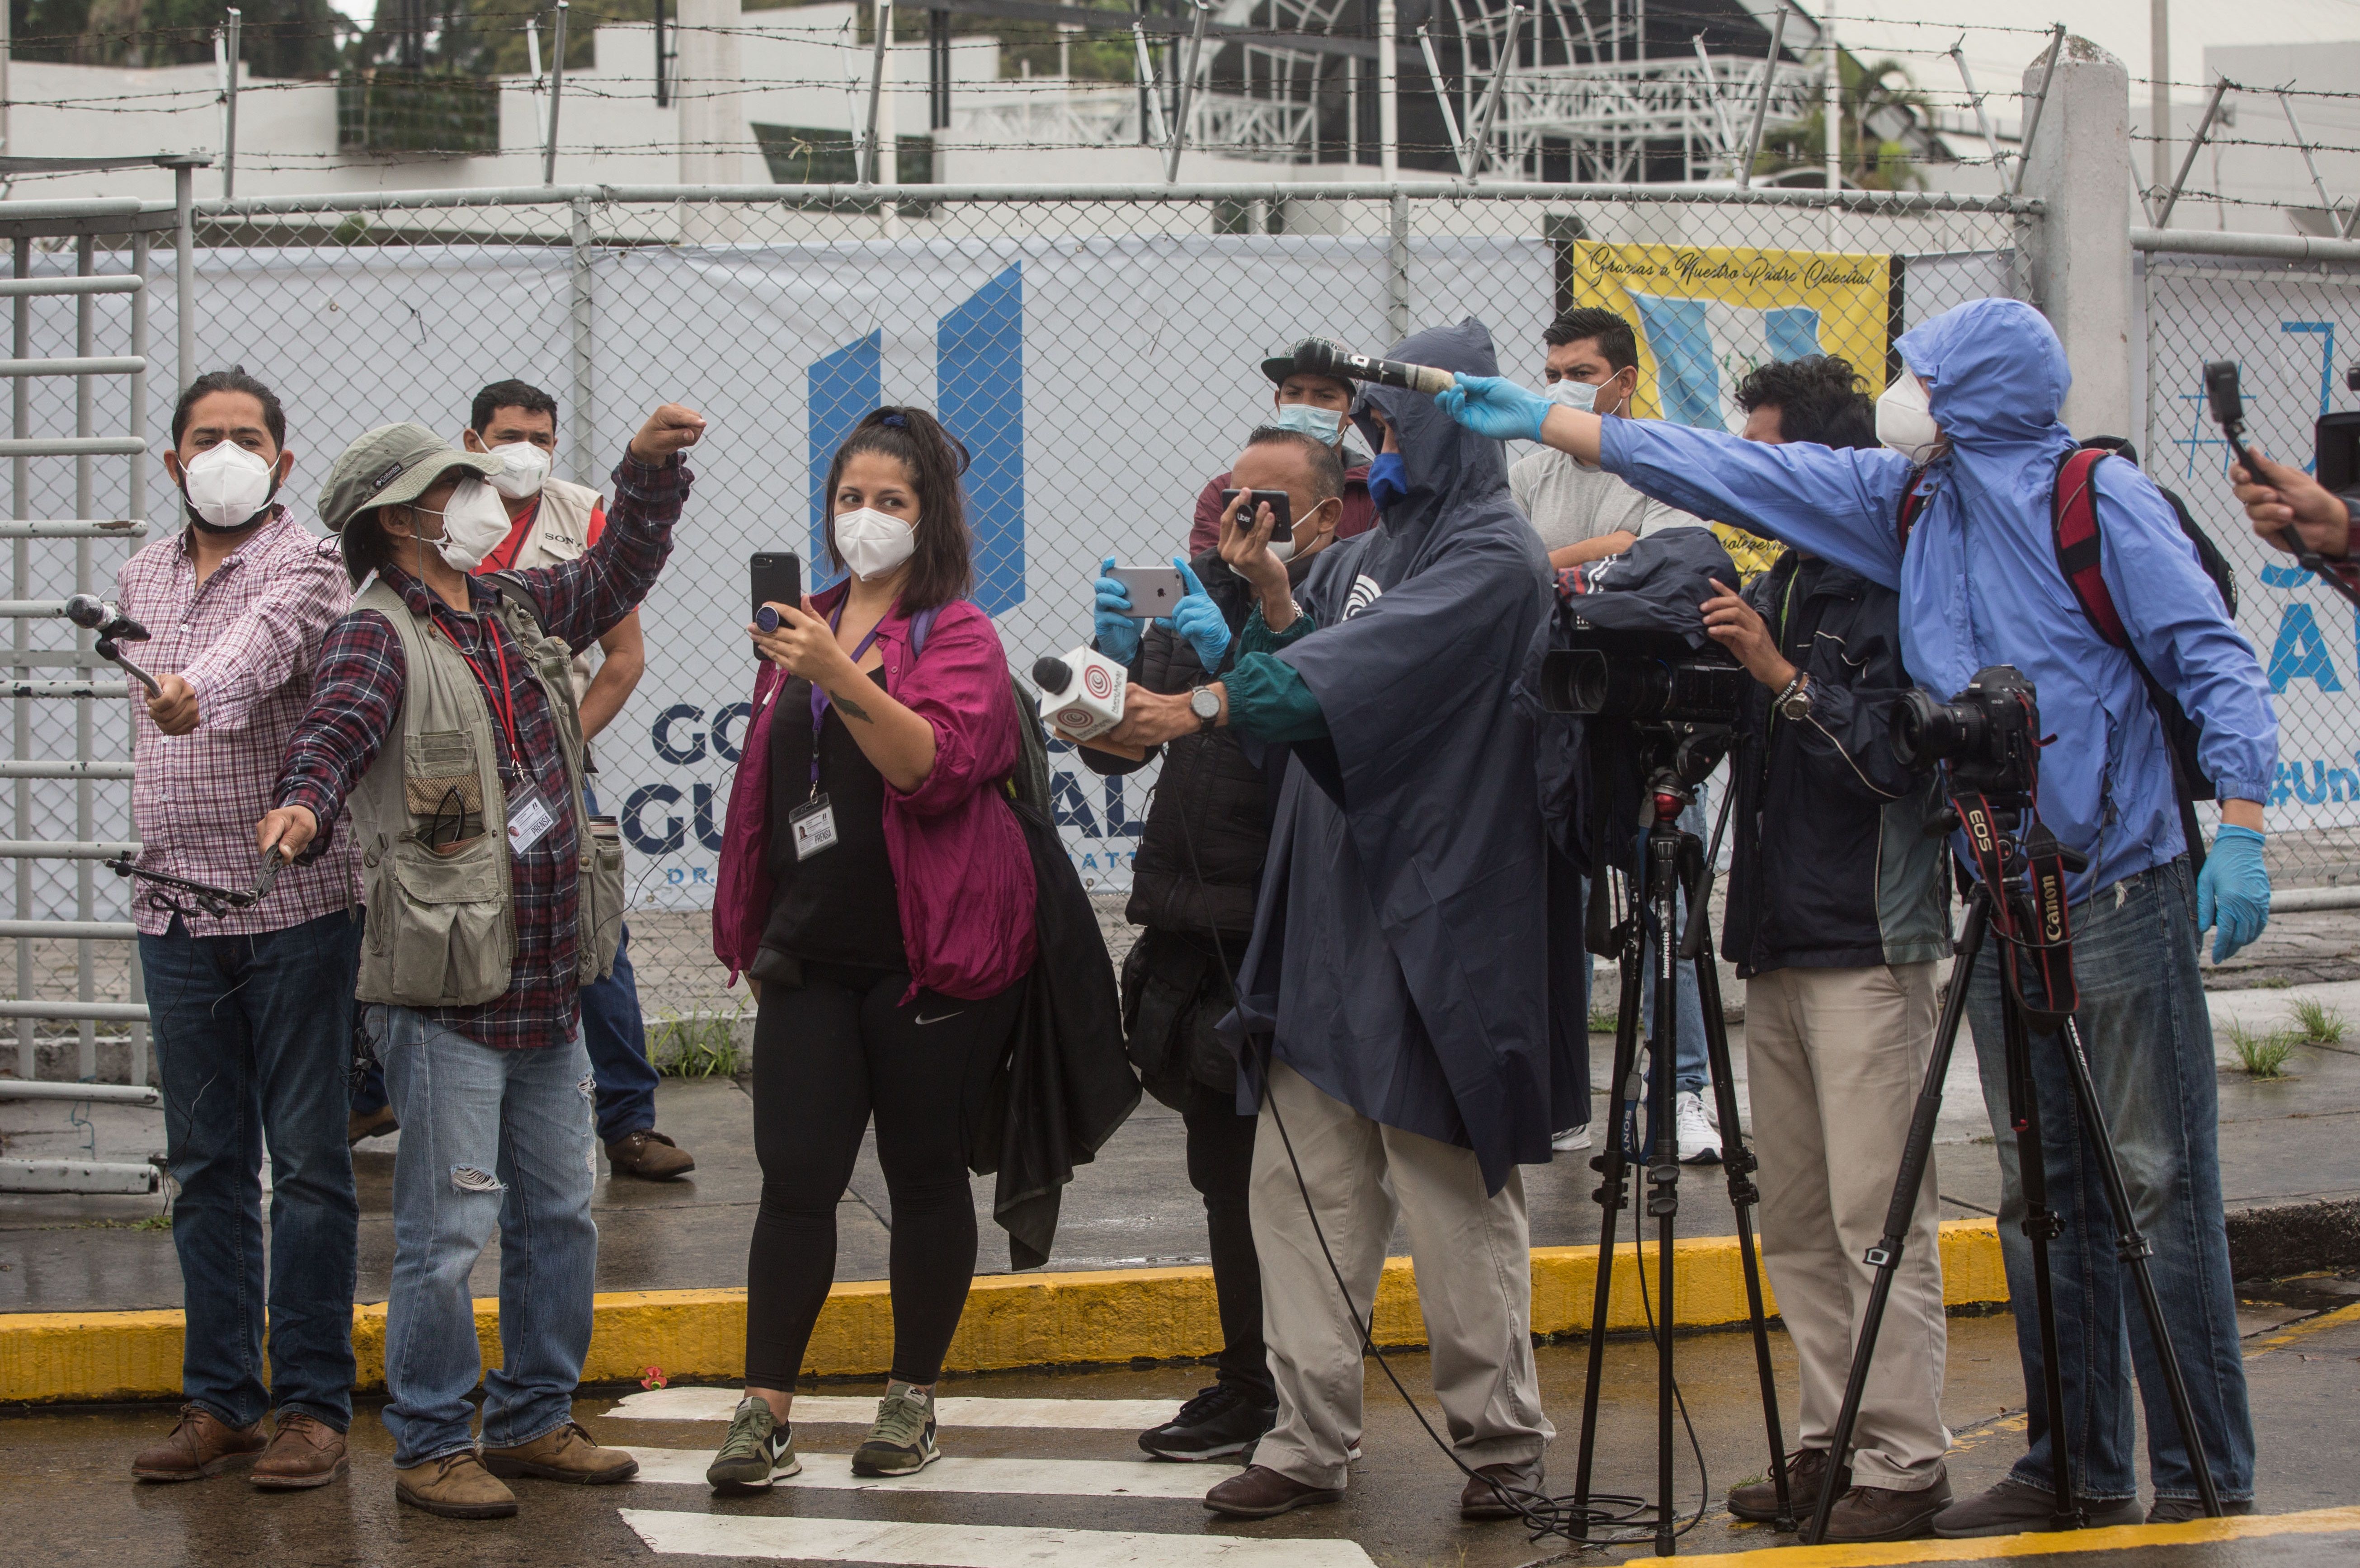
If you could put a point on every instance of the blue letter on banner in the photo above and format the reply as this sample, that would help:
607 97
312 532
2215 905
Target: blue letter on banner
842 387
979 382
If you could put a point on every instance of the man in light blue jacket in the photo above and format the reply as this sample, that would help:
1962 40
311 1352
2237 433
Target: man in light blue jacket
1976 418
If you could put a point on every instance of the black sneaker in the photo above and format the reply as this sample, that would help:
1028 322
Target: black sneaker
1219 1422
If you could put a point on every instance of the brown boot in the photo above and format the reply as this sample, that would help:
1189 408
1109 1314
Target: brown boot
1807 1472
376 1124
1879 1513
569 1454
201 1445
305 1452
1260 1492
650 1156
456 1485
1495 1491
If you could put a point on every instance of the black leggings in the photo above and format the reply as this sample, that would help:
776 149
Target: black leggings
825 1055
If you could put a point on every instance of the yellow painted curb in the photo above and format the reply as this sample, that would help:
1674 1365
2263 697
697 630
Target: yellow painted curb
1027 1320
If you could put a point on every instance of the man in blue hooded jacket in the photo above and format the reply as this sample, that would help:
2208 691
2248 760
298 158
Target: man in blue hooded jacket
1394 1007
1977 416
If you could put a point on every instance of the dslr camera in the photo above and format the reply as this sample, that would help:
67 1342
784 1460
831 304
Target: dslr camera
1643 677
1989 733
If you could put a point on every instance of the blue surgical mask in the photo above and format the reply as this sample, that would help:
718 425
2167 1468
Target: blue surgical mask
1388 480
1581 396
1323 425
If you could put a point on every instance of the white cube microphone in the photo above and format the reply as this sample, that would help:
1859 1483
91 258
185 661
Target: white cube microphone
1081 694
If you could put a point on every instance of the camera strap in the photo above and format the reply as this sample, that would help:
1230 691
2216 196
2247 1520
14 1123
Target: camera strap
2035 930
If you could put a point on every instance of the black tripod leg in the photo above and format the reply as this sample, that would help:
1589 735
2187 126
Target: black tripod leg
1664 1143
1737 1161
1916 1153
2136 1251
2042 1226
1613 1170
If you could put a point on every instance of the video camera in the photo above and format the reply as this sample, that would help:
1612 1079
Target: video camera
1989 733
1646 677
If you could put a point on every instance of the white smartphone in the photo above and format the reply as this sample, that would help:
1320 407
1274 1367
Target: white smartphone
1154 589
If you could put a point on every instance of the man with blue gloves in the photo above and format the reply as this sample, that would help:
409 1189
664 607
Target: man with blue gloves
1191 892
1973 428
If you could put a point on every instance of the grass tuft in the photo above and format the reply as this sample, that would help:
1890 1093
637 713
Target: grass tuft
2317 1023
698 1045
1603 1020
2262 1055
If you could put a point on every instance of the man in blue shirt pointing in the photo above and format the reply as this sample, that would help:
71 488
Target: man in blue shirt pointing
1977 416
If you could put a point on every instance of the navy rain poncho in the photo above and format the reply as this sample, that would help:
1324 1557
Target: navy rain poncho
1400 959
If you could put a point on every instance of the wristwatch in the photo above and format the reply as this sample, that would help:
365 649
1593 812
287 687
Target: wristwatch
1794 703
1206 706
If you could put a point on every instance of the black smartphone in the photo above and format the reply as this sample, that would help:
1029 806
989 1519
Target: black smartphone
1281 508
2221 391
777 577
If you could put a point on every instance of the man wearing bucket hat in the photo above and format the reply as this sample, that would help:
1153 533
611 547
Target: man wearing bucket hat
443 715
1315 405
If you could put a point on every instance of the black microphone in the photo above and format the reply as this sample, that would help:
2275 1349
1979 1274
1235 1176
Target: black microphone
1320 357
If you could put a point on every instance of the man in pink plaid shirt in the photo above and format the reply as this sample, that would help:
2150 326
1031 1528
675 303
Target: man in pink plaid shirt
252 1009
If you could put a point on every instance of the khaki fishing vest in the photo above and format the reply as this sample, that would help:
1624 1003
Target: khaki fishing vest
441 925
561 531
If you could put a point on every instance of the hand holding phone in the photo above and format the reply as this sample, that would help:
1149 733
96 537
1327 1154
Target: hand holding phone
1153 589
777 577
1281 505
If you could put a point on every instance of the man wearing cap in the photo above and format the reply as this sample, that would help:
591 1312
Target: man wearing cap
253 1007
551 520
443 711
1317 405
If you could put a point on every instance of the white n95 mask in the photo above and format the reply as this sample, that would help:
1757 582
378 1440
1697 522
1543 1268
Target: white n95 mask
1581 396
474 524
1904 421
873 543
526 470
227 486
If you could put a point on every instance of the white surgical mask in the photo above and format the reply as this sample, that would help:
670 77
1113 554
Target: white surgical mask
1581 396
873 543
526 470
474 524
227 486
1905 420
1323 425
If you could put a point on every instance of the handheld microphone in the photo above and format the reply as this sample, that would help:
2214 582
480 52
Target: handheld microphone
91 612
1081 694
1320 357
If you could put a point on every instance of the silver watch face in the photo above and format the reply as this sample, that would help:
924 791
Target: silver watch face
1204 704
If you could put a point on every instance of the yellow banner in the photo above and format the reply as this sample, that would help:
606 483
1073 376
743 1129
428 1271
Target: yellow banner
1705 316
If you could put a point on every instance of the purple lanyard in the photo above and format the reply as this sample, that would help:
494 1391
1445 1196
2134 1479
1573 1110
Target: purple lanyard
819 694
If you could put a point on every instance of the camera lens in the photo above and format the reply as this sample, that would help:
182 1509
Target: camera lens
1926 732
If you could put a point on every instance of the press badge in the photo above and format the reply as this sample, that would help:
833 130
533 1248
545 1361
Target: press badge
813 822
528 818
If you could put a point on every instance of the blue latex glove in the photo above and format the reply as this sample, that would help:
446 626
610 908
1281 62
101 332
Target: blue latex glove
2233 891
1198 619
1496 407
1118 634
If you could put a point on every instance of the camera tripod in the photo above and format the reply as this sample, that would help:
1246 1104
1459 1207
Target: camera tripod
1674 862
1992 828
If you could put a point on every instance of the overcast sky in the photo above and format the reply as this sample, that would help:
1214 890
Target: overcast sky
1998 58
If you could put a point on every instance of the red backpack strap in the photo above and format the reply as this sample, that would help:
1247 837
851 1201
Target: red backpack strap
1913 501
2074 522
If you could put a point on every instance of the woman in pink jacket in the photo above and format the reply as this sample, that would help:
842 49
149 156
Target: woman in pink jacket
876 888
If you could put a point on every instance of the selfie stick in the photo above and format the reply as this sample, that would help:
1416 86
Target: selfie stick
2228 405
91 612
1319 356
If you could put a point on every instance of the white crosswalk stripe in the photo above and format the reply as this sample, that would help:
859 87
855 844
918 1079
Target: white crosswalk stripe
973 1546
1042 1477
1070 1415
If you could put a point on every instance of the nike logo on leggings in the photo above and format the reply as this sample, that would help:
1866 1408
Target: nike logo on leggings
923 1022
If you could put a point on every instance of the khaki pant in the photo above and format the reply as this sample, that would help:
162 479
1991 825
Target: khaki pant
1473 1260
1833 1061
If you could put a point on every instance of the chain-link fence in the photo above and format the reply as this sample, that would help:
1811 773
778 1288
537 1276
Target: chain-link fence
1098 350
2294 327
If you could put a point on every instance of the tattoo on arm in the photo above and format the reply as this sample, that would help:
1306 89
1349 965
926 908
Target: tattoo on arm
853 710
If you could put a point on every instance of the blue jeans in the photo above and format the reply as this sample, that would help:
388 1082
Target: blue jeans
253 1038
488 1137
2149 1040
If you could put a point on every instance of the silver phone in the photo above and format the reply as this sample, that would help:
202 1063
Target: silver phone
1153 589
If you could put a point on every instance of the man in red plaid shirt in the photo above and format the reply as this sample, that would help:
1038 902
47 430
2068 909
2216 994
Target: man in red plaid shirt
252 1008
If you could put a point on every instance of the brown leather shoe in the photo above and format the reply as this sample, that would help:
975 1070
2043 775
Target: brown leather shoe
1879 1513
456 1485
1807 1470
569 1454
305 1451
648 1155
1479 1500
1262 1492
201 1445
376 1124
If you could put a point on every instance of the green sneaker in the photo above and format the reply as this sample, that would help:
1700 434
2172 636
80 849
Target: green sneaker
902 1440
758 1450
